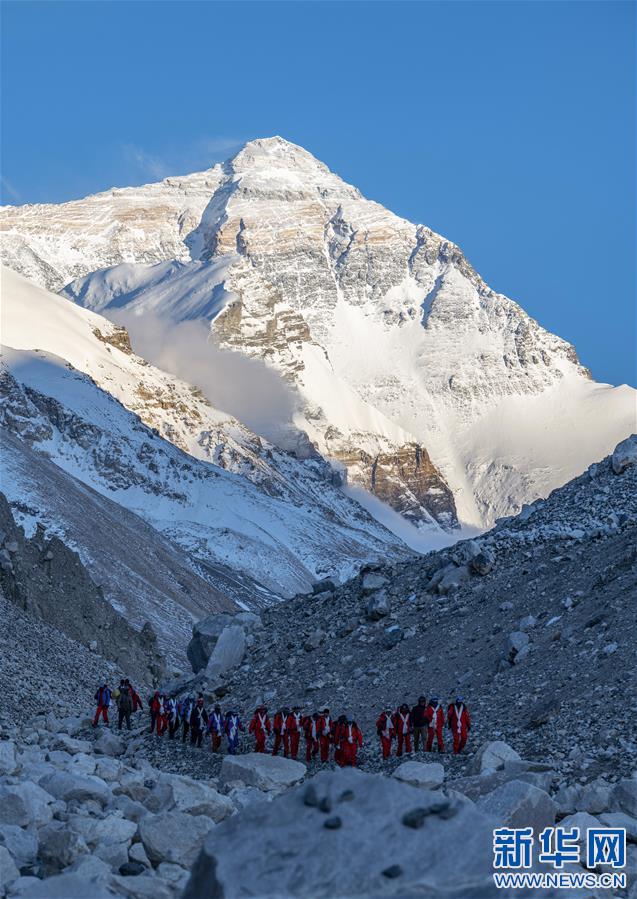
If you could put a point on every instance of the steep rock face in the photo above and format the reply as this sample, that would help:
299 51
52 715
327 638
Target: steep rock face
405 479
47 579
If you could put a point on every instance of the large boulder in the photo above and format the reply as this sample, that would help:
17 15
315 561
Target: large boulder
184 794
7 757
228 651
624 797
8 870
266 772
428 775
625 454
21 843
66 886
25 804
206 633
492 756
174 836
593 797
520 804
348 833
373 581
109 744
66 786
109 830
378 605
59 846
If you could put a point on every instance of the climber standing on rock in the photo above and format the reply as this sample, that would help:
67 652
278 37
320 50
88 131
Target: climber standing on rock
436 716
402 724
326 734
103 700
198 722
386 732
216 728
260 726
281 736
233 725
420 723
349 739
124 705
459 723
137 702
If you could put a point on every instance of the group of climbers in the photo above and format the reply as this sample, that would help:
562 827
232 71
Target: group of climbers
320 730
425 722
126 698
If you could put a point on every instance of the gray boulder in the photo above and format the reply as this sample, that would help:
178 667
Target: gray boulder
228 651
25 804
327 585
205 634
428 775
492 756
66 786
617 819
266 772
373 581
7 757
624 797
21 843
452 578
371 842
482 563
378 606
109 744
625 454
184 794
59 846
520 804
8 870
174 836
66 886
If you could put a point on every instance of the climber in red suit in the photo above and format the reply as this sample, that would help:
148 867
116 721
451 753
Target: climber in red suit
326 734
459 723
281 736
260 726
386 731
402 723
349 739
293 724
436 715
312 732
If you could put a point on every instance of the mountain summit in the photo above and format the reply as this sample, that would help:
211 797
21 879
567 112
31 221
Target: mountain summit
414 378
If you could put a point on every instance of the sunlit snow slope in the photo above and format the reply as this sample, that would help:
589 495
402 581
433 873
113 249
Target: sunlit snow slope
74 392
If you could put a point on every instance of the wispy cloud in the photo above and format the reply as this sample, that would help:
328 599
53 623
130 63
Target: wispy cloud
201 153
9 189
147 164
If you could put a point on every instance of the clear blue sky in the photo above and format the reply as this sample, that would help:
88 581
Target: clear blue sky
508 126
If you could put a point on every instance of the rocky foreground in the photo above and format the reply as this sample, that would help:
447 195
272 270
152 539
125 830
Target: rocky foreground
534 623
83 814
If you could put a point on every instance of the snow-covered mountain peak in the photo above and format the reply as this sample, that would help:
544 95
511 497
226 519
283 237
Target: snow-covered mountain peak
413 373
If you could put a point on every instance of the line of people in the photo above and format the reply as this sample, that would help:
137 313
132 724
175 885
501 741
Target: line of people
423 724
